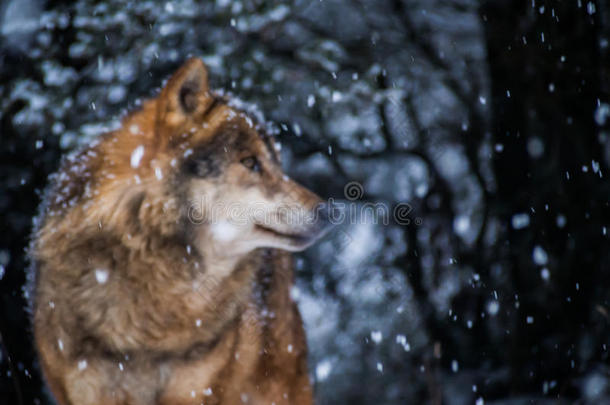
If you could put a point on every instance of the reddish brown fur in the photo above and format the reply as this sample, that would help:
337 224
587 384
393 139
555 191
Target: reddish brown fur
163 328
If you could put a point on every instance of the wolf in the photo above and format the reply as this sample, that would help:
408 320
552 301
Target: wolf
161 260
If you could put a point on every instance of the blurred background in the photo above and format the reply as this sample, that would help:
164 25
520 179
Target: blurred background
488 120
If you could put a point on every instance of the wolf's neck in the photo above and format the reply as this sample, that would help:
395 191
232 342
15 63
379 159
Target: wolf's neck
219 267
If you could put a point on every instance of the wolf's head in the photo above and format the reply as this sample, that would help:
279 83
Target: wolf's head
234 196
186 165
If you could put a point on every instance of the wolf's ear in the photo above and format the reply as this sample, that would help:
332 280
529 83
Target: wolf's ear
185 94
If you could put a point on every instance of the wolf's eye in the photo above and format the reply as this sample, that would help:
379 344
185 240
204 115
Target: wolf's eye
251 163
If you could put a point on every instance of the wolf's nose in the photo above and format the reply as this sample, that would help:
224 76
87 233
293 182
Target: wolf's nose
324 211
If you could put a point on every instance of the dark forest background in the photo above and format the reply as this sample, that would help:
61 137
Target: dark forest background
490 119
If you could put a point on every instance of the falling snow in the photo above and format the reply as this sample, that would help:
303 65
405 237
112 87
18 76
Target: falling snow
503 170
101 275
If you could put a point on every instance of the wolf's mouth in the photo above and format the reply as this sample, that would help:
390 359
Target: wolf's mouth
307 236
298 238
